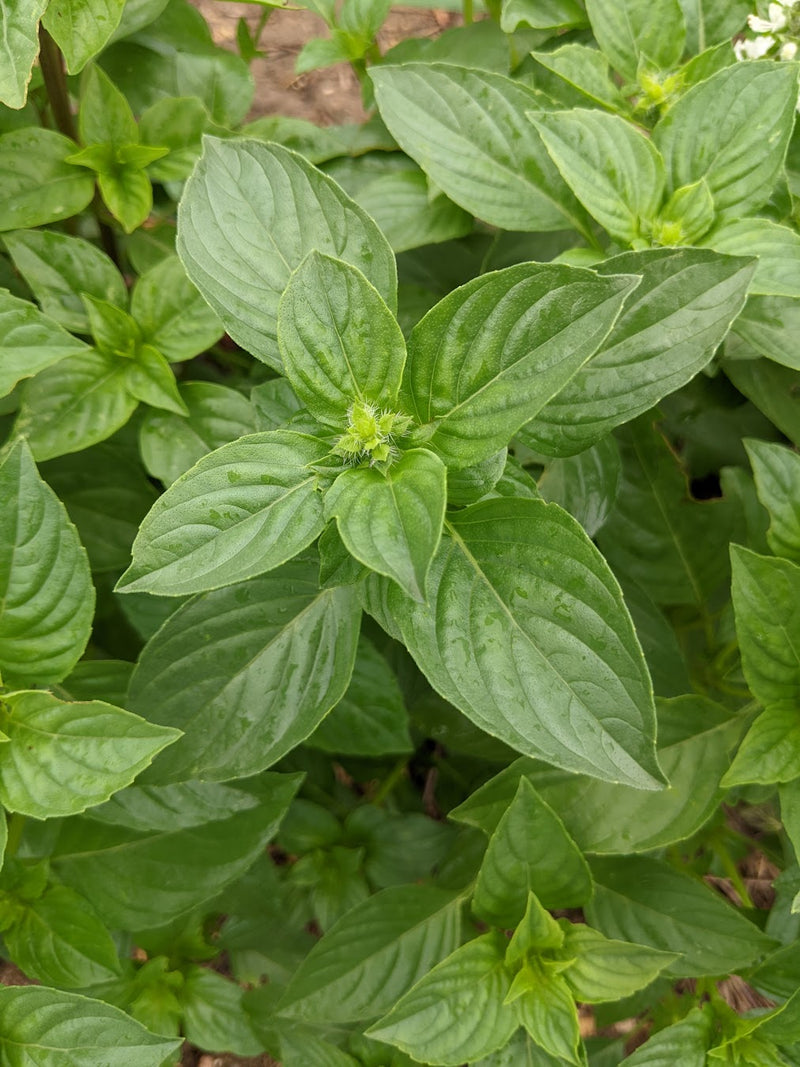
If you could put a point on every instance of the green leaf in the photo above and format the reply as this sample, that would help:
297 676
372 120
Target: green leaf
770 751
75 404
537 931
585 69
709 22
240 242
467 130
213 1015
628 30
29 341
606 970
516 583
656 535
105 116
141 879
45 586
401 204
19 26
542 15
373 955
98 679
240 511
171 444
777 474
59 939
339 341
489 356
177 123
645 901
772 388
686 216
37 186
777 248
662 651
530 851
149 378
739 151
456 1012
371 718
391 521
585 485
63 758
59 268
288 650
82 28
114 331
612 168
684 1042
769 324
668 330
765 594
546 1010
171 314
128 195
52 1029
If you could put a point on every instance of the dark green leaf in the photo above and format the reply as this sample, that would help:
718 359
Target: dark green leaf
36 184
777 475
631 30
213 1015
585 485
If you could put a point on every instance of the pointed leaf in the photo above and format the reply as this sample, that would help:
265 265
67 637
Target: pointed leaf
777 248
171 313
240 511
37 185
213 1015
547 1011
239 239
29 341
777 473
770 751
605 970
149 378
82 28
626 30
684 1042
19 23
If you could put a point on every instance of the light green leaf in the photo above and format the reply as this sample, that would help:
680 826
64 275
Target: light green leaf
612 168
63 758
59 268
140 879
542 14
517 583
770 751
585 485
585 69
29 341
288 650
467 130
606 970
392 521
339 341
777 475
82 28
373 955
53 1029
709 22
171 313
668 330
530 851
686 216
128 195
650 903
171 444
766 592
240 243
547 1011
37 186
401 204
59 939
178 123
240 511
490 355
149 378
537 931
777 248
769 324
628 30
105 116
113 330
45 585
75 404
456 1012
19 26
738 150
684 1042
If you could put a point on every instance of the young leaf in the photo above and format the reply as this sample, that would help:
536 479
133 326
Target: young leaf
239 242
605 970
777 474
136 880
240 511
339 341
490 355
628 30
171 444
612 168
64 1028
113 330
770 751
82 28
59 268
765 594
686 216
46 589
392 520
37 185
546 1009
62 758
128 195
288 650
29 342
645 901
668 330
530 851
149 378
171 314
537 931
777 248
58 939
456 1012
738 150
105 115
178 123
518 585
499 170
373 955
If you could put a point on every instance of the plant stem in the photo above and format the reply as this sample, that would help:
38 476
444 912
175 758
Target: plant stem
394 777
16 824
468 11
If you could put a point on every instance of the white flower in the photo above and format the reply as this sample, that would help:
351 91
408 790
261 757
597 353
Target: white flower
788 51
775 22
754 49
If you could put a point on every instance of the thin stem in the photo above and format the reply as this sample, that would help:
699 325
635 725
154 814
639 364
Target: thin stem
16 824
394 777
55 82
468 11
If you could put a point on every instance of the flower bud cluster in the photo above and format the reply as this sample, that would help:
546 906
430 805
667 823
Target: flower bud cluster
777 35
370 433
